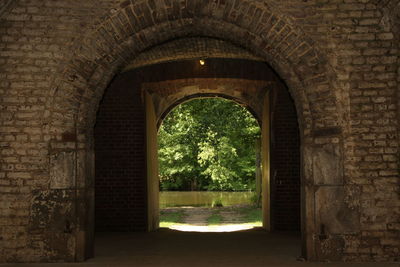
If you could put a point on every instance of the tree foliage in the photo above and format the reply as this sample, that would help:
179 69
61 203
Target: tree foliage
208 144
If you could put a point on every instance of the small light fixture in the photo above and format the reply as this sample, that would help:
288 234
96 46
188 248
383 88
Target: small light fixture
202 62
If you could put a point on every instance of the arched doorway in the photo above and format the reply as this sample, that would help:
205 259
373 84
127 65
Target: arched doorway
209 166
158 95
250 83
290 53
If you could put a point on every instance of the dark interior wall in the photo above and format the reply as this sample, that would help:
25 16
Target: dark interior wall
120 196
120 144
285 162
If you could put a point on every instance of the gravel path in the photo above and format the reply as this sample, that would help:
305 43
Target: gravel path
198 216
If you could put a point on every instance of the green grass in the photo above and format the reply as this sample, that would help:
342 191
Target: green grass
245 214
168 218
215 218
250 214
184 205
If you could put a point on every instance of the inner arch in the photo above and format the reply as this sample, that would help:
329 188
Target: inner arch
209 166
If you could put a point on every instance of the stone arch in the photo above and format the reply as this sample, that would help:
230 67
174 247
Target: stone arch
248 93
119 38
138 25
5 6
189 48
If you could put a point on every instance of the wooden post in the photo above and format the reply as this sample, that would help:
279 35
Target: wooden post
258 172
265 163
152 166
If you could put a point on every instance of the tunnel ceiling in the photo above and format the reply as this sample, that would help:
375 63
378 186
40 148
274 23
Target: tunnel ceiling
190 48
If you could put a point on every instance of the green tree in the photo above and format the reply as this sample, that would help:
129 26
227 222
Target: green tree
208 144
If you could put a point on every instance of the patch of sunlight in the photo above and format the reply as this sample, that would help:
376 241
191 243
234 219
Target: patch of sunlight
211 228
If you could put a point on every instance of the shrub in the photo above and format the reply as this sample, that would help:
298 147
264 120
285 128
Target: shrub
217 203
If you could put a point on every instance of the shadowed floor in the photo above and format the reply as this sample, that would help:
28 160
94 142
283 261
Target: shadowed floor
173 248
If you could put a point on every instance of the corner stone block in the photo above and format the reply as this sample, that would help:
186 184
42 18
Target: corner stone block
333 214
62 170
330 249
53 224
327 167
85 168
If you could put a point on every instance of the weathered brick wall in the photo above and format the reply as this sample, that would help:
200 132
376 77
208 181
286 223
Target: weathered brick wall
360 39
340 60
36 39
120 183
285 162
364 53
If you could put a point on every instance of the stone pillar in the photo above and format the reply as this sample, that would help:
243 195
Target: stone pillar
152 166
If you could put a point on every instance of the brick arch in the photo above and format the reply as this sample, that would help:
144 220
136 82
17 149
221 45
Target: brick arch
5 6
190 48
112 44
118 39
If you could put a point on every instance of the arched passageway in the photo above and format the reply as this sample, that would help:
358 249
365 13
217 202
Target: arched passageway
121 200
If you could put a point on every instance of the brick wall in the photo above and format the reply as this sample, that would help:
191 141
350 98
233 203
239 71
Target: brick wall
285 163
340 60
120 184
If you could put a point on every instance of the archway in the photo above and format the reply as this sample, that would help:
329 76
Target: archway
157 107
159 91
159 94
256 95
209 165
76 96
350 165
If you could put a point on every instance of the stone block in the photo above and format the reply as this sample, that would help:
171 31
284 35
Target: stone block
327 167
62 170
85 168
330 248
53 217
333 213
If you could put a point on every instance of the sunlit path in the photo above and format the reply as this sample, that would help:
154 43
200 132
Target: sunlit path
213 228
208 219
